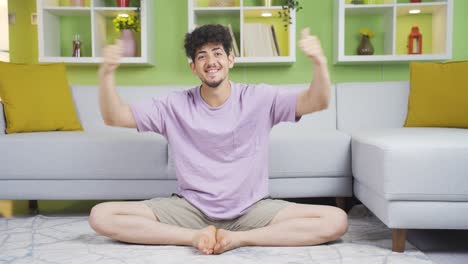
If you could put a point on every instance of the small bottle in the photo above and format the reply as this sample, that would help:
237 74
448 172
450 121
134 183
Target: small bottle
76 46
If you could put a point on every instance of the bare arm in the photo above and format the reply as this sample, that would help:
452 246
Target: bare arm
114 111
317 97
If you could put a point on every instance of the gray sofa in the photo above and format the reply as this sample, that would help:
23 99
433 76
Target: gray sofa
409 177
308 159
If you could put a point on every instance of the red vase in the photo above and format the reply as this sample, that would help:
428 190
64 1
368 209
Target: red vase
415 1
122 3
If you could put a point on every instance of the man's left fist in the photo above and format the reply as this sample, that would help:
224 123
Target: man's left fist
311 47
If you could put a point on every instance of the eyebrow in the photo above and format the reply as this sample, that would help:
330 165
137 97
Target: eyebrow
202 51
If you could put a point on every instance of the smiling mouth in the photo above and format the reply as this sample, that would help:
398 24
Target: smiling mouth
212 72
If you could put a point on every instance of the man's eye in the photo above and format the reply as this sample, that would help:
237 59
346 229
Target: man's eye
218 54
200 57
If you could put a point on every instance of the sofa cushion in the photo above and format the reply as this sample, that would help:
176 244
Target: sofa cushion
83 156
315 154
37 98
413 163
322 120
438 95
311 147
87 103
363 106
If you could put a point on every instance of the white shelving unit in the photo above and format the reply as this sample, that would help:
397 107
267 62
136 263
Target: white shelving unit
391 21
56 22
240 12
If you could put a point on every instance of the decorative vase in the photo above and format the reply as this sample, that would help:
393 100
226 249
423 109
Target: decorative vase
122 3
129 43
77 2
365 47
76 46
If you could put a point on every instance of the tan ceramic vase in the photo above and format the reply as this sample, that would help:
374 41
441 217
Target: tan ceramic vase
129 43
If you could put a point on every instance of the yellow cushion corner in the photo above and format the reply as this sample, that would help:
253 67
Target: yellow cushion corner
438 95
36 97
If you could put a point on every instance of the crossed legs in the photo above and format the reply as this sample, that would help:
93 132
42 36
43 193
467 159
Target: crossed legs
294 225
134 222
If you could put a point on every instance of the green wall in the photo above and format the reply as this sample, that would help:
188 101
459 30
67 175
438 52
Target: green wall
23 35
171 65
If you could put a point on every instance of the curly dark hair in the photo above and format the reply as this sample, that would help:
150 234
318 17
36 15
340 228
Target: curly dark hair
205 34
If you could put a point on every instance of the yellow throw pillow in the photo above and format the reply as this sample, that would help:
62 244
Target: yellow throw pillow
438 95
37 98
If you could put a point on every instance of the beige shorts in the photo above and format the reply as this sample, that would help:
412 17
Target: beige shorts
177 211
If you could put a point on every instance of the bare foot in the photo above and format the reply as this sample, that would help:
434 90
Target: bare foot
225 241
205 239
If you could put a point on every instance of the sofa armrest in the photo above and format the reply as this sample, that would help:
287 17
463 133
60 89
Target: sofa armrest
2 120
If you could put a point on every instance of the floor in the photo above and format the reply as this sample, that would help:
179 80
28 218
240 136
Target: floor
441 246
69 239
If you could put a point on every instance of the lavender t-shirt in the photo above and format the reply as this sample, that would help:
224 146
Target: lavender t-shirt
220 153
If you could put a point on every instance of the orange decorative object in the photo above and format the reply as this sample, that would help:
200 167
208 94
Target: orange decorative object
415 41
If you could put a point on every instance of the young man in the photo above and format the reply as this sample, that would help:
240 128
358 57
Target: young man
218 133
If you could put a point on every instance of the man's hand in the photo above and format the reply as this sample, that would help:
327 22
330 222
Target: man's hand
317 97
114 111
311 47
112 55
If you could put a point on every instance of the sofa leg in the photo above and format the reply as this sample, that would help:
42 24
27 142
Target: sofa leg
342 202
33 207
399 240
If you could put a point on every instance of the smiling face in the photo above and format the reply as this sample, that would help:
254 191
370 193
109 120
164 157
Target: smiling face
212 64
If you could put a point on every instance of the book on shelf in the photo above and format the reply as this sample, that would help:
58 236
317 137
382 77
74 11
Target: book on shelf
275 41
260 40
234 42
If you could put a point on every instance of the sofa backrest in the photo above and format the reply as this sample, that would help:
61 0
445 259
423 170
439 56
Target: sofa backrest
87 102
323 120
371 105
2 120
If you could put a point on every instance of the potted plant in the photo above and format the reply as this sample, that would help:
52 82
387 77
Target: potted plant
287 8
126 24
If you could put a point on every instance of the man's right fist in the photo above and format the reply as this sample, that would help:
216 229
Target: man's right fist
112 55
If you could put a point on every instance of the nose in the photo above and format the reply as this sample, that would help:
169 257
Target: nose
211 60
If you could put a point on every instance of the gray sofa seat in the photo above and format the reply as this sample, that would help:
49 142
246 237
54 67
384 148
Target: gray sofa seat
319 154
73 155
413 164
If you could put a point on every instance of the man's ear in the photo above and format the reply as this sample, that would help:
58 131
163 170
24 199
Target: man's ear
231 60
192 66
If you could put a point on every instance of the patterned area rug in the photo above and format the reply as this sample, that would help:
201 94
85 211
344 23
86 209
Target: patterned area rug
69 239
